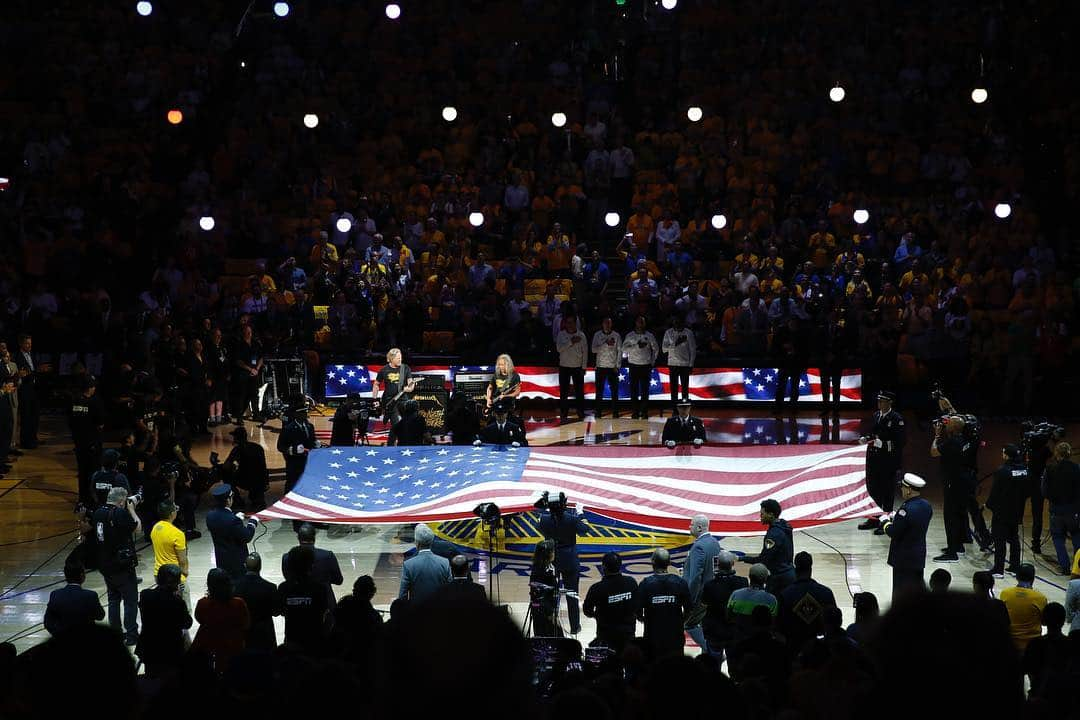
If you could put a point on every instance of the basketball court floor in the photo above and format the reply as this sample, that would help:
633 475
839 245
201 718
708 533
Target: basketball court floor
38 529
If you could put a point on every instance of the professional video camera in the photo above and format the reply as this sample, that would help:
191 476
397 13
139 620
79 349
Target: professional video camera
359 409
135 499
1036 435
546 501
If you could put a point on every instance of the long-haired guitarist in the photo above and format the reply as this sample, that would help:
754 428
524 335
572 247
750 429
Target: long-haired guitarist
505 383
392 385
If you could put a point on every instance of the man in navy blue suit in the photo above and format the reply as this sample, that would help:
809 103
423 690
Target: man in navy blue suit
699 569
72 606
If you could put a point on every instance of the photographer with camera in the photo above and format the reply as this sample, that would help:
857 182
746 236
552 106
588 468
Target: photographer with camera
245 468
115 524
230 531
1037 443
347 418
186 477
954 446
1061 488
562 525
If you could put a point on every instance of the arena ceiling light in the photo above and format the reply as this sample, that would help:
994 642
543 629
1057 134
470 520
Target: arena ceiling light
861 216
206 222
311 120
393 11
612 219
694 114
343 225
979 95
837 94
144 8
719 221
449 113
558 119
669 5
281 9
476 219
174 116
1003 210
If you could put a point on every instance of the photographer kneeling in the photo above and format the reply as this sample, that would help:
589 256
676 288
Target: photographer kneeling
115 525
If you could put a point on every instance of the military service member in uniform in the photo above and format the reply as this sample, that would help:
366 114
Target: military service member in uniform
777 550
885 449
296 439
230 531
682 428
502 430
906 529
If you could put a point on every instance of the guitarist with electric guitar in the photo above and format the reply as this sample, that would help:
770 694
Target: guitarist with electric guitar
392 384
505 384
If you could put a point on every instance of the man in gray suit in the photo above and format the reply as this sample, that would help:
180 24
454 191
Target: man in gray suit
699 569
425 573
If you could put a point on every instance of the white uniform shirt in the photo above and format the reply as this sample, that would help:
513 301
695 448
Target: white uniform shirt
681 354
607 356
640 355
572 354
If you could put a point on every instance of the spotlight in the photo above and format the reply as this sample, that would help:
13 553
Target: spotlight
144 8
694 114
669 5
558 119
393 11
4 183
174 116
979 95
861 216
281 9
1003 210
449 113
476 219
837 94
206 222
343 225
719 221
611 219
311 120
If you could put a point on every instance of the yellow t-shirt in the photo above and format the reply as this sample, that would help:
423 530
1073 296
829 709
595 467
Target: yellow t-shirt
168 540
1025 606
1076 565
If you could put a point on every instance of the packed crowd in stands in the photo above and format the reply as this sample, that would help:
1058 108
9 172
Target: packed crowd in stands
102 253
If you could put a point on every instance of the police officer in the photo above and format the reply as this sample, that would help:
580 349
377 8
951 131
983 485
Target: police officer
86 419
777 550
108 477
958 478
884 452
502 430
411 429
683 428
612 602
1007 497
246 469
230 531
115 524
562 525
297 438
906 529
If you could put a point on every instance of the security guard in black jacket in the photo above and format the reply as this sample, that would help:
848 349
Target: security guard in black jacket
230 531
777 550
562 525
502 430
297 438
245 468
108 477
343 424
1007 497
411 429
885 449
682 428
86 419
906 529
613 603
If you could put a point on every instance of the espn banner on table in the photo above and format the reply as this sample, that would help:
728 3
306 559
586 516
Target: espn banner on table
756 384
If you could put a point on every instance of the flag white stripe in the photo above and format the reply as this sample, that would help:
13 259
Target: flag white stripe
714 460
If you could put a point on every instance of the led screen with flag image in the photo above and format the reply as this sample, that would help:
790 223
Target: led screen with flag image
647 487
542 383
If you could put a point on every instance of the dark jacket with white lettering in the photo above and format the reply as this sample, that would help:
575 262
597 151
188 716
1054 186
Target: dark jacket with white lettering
1008 493
613 602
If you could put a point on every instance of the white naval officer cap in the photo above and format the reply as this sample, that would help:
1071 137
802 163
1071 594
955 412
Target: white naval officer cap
913 481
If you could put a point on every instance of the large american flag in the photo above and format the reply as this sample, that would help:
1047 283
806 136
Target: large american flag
648 486
542 382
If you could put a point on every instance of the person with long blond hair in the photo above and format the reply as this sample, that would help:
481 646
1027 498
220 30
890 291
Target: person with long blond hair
505 383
